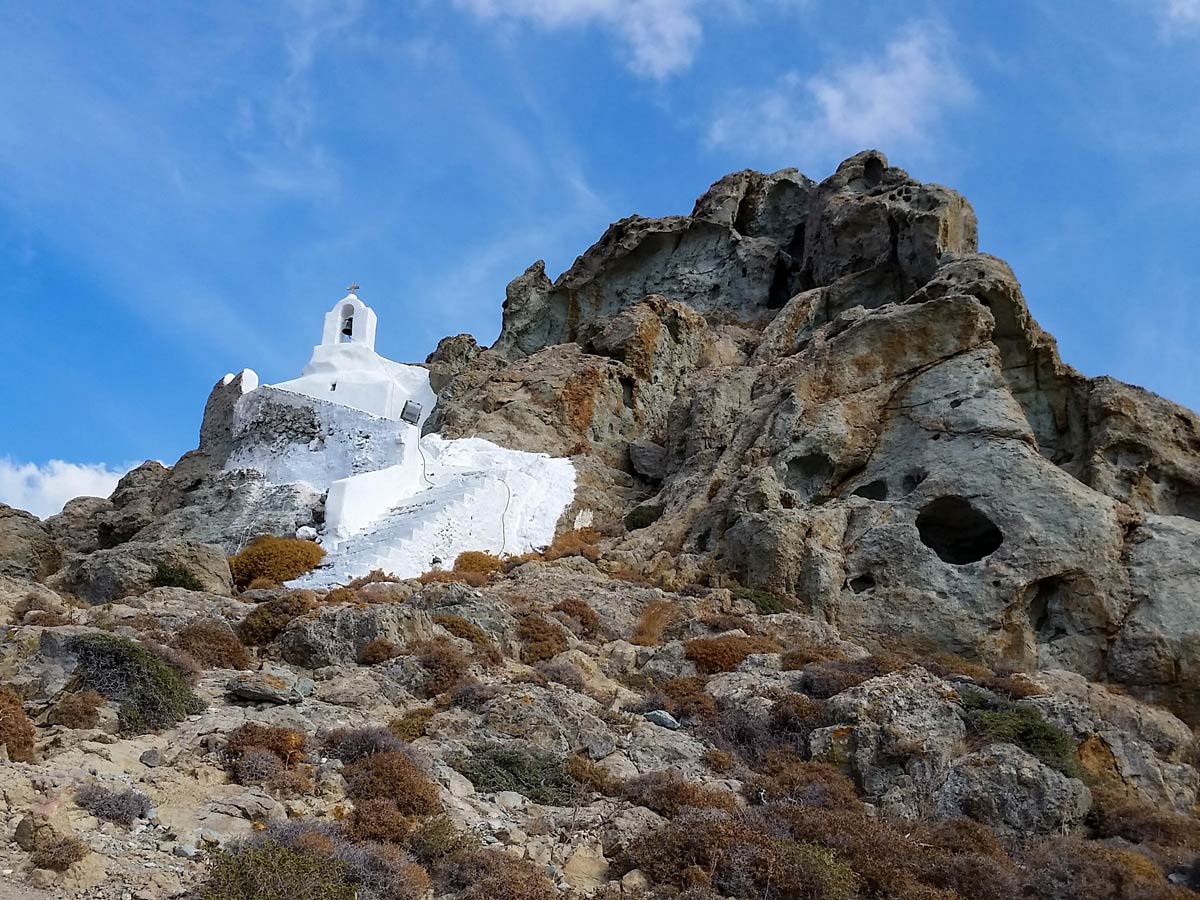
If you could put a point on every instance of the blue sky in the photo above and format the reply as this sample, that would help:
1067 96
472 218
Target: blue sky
185 188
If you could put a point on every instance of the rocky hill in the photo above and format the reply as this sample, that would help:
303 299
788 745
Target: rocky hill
863 592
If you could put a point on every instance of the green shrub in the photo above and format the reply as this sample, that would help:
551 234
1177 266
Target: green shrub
1001 722
168 575
151 693
538 776
271 871
764 602
274 559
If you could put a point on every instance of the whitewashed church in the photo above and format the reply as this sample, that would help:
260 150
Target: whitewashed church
396 501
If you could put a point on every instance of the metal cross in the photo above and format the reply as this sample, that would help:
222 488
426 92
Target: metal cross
353 287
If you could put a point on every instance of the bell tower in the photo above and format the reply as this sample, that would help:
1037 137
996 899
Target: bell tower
350 322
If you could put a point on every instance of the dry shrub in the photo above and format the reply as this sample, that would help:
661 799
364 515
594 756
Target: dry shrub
541 639
277 559
380 820
712 852
469 631
653 622
38 609
267 620
393 777
824 679
352 744
471 693
443 662
726 653
80 709
412 724
442 576
1072 869
1172 837
375 576
721 761
804 783
340 595
592 776
213 645
562 672
289 746
684 698
668 793
267 870
123 807
58 852
576 542
473 873
261 584
538 776
16 731
578 616
478 562
761 740
802 651
380 650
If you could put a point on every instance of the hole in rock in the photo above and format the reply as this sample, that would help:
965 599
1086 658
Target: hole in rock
955 404
872 490
808 474
873 171
627 391
913 480
780 291
956 531
860 584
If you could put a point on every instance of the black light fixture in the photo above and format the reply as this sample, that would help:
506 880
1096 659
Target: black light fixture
411 412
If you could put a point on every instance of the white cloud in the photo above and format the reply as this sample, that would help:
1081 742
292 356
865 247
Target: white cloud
1178 15
660 37
43 490
892 101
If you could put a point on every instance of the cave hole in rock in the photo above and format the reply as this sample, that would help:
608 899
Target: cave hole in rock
860 584
872 490
808 474
956 531
1048 601
780 291
627 391
873 170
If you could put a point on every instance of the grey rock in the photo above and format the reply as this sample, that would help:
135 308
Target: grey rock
648 459
662 718
337 635
270 684
26 547
75 530
1012 792
109 575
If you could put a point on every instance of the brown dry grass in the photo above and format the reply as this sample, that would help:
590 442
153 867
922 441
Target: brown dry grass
653 622
724 654
16 731
278 559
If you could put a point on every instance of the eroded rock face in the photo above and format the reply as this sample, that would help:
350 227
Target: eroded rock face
855 407
26 549
110 575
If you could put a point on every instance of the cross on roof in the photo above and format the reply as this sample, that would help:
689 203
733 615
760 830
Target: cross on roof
353 287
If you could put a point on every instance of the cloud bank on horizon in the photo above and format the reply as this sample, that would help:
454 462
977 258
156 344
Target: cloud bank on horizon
194 185
43 490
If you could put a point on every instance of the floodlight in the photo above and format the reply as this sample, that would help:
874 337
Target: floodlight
411 412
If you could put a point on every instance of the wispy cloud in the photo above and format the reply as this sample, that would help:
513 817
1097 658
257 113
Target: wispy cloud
43 490
1177 16
895 99
658 37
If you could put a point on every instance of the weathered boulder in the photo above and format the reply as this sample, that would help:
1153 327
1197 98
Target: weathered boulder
75 530
270 684
26 548
337 635
131 568
896 736
1012 792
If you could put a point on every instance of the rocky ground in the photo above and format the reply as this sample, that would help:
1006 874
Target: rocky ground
567 714
863 593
